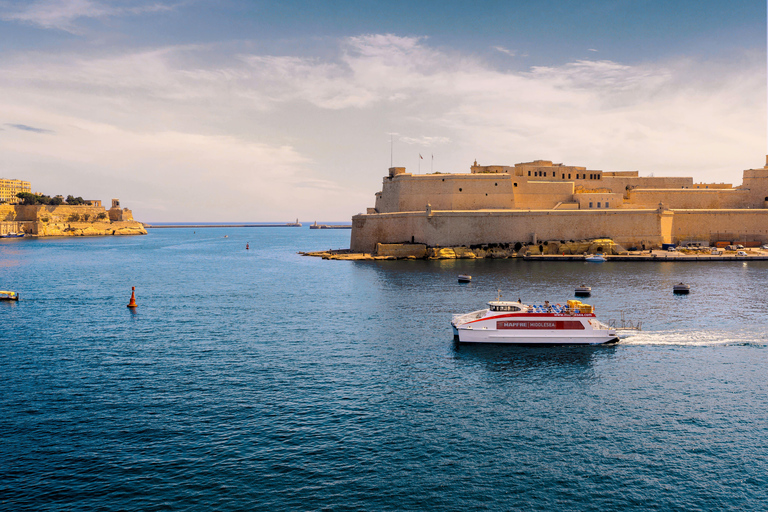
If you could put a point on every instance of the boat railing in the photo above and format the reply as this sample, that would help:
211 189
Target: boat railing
624 324
467 317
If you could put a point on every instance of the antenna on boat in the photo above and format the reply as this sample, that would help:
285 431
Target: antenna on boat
498 297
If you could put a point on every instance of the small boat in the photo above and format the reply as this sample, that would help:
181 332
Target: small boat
595 258
464 278
12 235
544 324
583 291
681 289
7 295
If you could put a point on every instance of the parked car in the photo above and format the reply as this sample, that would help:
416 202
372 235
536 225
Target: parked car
716 252
741 253
739 246
765 246
671 249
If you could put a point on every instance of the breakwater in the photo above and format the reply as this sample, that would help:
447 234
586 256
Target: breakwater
164 226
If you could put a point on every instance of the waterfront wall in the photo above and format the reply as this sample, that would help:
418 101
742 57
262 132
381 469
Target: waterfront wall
68 220
630 228
457 228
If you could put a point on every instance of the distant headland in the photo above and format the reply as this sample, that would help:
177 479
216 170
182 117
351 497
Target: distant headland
40 215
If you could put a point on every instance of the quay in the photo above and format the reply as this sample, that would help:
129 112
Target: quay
656 256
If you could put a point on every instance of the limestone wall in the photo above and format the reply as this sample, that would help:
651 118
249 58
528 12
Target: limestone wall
68 220
692 199
712 226
408 193
456 228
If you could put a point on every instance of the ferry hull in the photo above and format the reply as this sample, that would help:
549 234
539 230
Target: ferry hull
539 338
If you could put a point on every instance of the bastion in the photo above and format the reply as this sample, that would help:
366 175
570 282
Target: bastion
90 219
545 201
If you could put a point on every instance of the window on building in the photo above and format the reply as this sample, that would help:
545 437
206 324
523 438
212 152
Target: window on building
545 174
598 204
515 184
563 176
569 175
590 204
529 173
606 204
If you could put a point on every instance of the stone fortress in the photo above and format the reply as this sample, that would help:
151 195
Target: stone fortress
544 201
90 219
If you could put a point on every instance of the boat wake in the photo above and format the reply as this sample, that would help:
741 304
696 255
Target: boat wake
696 338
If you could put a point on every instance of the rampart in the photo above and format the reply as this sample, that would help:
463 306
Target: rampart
68 220
544 201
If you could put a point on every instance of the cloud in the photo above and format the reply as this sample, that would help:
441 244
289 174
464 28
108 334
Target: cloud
501 49
424 140
62 14
24 127
591 50
203 133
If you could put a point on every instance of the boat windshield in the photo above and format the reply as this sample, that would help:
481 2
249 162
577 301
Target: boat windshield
504 307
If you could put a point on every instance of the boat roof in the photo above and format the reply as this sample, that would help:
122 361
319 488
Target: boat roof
504 303
7 293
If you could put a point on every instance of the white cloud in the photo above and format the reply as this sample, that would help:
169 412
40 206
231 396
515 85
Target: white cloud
501 49
190 133
424 140
62 14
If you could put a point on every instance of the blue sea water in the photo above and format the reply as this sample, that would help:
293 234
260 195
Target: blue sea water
264 380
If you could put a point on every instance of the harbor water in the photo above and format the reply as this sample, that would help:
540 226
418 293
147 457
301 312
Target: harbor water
260 379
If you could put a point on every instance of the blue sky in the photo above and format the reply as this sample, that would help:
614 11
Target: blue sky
246 110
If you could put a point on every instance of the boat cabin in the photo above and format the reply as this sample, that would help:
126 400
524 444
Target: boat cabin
505 306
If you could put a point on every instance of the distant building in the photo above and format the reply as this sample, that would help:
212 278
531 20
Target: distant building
9 188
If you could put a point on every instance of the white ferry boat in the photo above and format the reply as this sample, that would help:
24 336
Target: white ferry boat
522 324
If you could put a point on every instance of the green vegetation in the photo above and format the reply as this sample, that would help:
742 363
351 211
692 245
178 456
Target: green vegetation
28 198
101 216
74 217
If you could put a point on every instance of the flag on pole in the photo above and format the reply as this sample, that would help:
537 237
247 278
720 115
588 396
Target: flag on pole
421 156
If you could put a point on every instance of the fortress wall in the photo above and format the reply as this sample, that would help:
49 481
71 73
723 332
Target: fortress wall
619 183
720 225
542 194
70 220
456 228
7 212
614 200
407 192
692 199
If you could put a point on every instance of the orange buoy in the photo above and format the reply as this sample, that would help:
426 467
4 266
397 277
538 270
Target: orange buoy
132 303
246 246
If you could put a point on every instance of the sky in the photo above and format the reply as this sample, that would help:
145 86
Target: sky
250 110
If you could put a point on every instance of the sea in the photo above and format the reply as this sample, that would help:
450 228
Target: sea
260 379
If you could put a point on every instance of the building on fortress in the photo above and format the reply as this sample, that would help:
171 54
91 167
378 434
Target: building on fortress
541 200
10 187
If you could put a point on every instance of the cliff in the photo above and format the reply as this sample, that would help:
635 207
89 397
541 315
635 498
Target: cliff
67 220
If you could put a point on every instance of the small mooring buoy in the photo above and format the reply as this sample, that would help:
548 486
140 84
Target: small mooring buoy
132 303
246 246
